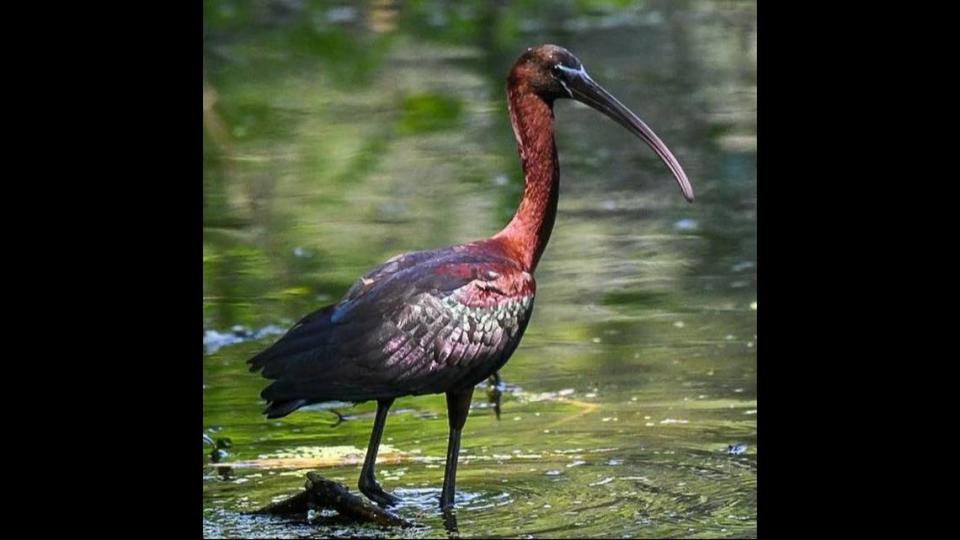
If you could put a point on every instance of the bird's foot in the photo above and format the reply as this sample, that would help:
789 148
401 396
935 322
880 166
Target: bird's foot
375 493
450 522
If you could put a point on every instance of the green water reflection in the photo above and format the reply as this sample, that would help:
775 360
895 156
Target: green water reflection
337 135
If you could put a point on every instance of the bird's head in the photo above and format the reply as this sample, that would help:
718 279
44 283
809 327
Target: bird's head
552 72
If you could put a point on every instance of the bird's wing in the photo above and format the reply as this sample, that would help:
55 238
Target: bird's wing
418 324
314 333
447 338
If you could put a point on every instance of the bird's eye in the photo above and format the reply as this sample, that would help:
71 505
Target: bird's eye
557 71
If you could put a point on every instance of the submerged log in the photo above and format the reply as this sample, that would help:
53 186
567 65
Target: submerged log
322 493
298 504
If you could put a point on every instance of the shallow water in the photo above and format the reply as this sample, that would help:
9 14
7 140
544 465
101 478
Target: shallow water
337 137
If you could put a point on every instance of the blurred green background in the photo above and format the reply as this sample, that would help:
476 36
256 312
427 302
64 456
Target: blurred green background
339 134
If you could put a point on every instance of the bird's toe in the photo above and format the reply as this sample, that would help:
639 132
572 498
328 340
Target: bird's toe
376 494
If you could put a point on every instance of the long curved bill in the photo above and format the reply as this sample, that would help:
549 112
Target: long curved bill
585 90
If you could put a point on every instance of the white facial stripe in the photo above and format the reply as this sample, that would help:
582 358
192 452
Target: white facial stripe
579 72
571 72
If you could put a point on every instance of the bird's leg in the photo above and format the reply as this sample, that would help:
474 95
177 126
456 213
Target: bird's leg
495 393
368 482
458 406
450 523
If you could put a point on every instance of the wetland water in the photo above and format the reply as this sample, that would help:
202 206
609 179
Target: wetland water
337 136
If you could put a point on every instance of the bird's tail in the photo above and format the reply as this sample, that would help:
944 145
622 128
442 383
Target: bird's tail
279 409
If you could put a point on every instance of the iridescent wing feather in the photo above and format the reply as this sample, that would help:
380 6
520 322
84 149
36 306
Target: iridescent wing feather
422 323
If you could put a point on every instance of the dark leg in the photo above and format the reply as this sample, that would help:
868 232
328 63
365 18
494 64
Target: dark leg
450 523
495 393
368 482
458 406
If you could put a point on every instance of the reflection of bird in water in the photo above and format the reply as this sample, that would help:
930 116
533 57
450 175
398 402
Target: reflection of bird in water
442 321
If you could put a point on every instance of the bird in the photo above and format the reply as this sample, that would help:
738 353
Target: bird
444 320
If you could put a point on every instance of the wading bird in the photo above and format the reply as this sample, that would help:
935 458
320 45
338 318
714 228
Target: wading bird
444 320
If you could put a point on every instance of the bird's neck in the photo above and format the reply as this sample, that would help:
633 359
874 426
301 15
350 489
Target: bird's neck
527 233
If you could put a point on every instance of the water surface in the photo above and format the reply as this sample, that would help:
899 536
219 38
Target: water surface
337 136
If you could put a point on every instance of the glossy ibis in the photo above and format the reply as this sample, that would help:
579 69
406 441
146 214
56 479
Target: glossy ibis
444 320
